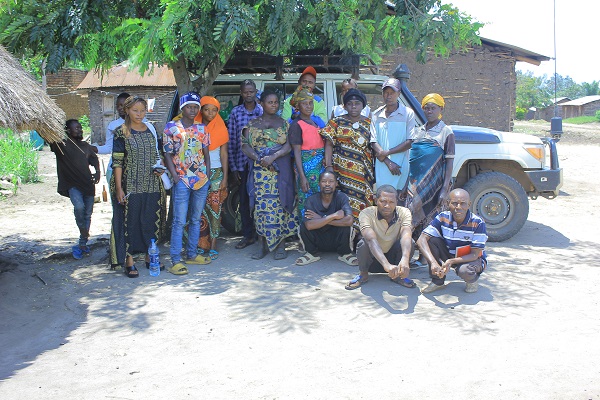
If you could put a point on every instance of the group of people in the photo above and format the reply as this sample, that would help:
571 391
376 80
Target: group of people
367 181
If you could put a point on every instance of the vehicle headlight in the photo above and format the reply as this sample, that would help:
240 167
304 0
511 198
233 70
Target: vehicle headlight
536 151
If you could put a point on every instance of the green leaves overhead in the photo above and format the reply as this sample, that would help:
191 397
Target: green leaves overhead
102 32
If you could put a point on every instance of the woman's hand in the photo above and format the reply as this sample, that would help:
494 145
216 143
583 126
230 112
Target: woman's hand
443 196
267 161
120 195
159 172
223 184
304 184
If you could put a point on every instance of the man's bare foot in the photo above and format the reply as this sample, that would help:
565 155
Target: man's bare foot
263 249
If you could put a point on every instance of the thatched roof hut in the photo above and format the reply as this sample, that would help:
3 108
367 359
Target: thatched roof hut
23 103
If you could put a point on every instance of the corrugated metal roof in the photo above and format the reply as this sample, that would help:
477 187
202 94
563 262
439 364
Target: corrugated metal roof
519 53
121 76
581 101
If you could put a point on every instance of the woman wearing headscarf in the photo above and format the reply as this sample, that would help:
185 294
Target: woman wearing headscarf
348 152
431 161
137 187
308 146
210 223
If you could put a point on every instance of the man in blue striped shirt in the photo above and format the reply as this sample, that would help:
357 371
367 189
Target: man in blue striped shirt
454 239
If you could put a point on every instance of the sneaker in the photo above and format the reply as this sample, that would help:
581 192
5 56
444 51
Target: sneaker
77 252
471 287
198 260
432 287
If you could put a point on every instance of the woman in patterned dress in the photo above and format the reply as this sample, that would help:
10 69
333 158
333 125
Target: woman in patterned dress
138 187
348 152
308 146
271 184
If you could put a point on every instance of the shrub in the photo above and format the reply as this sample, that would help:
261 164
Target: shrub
18 159
84 120
520 115
598 115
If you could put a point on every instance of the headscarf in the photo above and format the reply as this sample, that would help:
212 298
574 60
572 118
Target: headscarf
215 128
189 98
355 94
302 93
433 98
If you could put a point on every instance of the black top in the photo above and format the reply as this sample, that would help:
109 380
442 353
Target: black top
73 162
339 201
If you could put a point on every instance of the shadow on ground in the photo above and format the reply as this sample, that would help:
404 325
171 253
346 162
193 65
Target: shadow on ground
61 294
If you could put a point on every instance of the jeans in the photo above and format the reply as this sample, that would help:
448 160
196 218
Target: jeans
186 202
82 208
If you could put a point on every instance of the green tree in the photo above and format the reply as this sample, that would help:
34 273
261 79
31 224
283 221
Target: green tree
591 89
532 91
205 33
565 87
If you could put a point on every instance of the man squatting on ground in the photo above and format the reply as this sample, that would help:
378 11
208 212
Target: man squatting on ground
327 224
386 245
74 157
450 230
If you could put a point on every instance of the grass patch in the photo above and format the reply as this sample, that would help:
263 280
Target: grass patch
581 120
18 159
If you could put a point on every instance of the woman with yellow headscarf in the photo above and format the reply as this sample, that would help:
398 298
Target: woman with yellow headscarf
431 161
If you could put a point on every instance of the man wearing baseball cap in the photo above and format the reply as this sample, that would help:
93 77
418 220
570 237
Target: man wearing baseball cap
392 133
307 79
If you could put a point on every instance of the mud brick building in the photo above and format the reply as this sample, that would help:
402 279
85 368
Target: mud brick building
61 87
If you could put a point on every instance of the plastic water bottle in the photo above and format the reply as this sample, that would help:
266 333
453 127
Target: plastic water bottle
153 254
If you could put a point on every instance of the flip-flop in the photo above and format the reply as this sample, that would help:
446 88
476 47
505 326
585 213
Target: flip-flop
213 254
349 259
408 283
356 283
245 242
306 259
178 269
132 272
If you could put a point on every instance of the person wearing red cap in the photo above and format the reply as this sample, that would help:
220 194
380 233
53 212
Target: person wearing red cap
307 79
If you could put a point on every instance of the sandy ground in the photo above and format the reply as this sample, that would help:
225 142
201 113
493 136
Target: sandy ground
244 329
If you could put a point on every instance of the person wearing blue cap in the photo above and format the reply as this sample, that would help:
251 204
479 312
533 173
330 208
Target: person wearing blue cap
187 159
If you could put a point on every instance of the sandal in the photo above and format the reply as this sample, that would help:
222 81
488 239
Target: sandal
178 269
355 283
245 242
213 254
306 259
131 272
408 283
349 259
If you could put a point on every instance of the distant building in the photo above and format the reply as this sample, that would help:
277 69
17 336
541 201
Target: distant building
479 86
157 87
547 113
584 106
61 87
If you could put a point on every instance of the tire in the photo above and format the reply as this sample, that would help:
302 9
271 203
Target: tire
501 201
230 215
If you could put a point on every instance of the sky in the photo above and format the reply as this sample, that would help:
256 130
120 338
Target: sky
528 24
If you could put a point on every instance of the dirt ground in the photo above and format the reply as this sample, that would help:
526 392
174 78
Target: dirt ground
245 329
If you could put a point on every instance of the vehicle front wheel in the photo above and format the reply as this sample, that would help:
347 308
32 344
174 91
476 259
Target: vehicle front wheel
501 201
